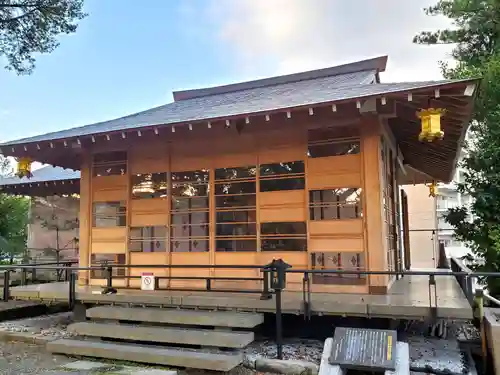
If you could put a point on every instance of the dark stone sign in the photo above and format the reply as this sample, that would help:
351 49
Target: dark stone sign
364 349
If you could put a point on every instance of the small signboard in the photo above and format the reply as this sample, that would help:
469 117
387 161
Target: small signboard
147 281
364 349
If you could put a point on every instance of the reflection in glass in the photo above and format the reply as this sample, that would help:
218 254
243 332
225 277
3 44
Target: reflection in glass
109 214
148 239
149 185
342 203
235 173
236 245
284 168
110 163
97 260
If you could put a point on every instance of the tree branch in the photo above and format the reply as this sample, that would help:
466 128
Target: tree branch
15 19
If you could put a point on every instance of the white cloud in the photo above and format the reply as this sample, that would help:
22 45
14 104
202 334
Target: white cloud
284 36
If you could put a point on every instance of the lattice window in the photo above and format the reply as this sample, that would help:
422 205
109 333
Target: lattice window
148 239
109 214
282 176
333 204
290 236
189 231
235 201
333 141
109 163
97 260
338 261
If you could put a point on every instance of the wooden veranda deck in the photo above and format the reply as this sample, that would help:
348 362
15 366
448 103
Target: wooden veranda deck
407 299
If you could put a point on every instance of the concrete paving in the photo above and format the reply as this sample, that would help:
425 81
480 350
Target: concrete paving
147 354
190 336
85 367
175 316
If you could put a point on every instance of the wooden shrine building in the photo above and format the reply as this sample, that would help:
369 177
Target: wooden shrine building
305 167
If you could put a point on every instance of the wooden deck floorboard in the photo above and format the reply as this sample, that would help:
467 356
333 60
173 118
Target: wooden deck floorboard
408 298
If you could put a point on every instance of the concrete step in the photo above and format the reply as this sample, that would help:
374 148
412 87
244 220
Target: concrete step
185 336
178 317
147 354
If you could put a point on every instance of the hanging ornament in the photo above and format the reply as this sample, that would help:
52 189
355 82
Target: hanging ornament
24 167
433 189
430 119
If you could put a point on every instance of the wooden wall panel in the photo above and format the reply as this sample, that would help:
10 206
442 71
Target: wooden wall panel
244 258
335 164
147 219
336 227
295 198
117 283
333 181
282 154
151 159
109 247
148 259
109 234
109 182
282 214
153 205
234 160
189 258
110 195
336 244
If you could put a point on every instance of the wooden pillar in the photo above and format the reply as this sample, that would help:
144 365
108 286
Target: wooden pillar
373 206
85 218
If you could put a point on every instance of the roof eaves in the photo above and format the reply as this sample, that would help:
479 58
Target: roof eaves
372 90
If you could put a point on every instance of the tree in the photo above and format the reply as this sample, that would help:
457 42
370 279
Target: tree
477 53
14 216
59 216
29 27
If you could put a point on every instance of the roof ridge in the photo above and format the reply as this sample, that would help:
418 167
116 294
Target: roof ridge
377 64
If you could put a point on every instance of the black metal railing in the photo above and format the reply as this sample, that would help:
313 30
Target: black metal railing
272 281
466 282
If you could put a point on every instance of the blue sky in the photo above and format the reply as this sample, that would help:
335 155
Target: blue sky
129 55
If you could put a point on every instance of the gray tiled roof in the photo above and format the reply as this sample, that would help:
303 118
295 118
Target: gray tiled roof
43 174
263 99
214 106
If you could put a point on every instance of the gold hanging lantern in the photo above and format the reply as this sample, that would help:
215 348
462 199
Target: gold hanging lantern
24 167
433 189
431 124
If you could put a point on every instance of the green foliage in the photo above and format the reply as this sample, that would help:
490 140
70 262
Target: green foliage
30 27
477 53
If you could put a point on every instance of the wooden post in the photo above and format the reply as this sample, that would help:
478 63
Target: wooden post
85 218
373 215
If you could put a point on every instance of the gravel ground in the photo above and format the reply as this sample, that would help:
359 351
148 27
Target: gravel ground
20 359
427 348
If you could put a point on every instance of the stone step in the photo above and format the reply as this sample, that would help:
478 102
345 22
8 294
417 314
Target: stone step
177 316
185 336
147 354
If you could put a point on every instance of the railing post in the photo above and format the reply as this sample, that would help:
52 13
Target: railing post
266 294
72 289
6 285
109 277
209 284
24 277
278 282
67 272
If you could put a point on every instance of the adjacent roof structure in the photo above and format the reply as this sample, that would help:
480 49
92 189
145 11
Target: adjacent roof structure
47 180
350 84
